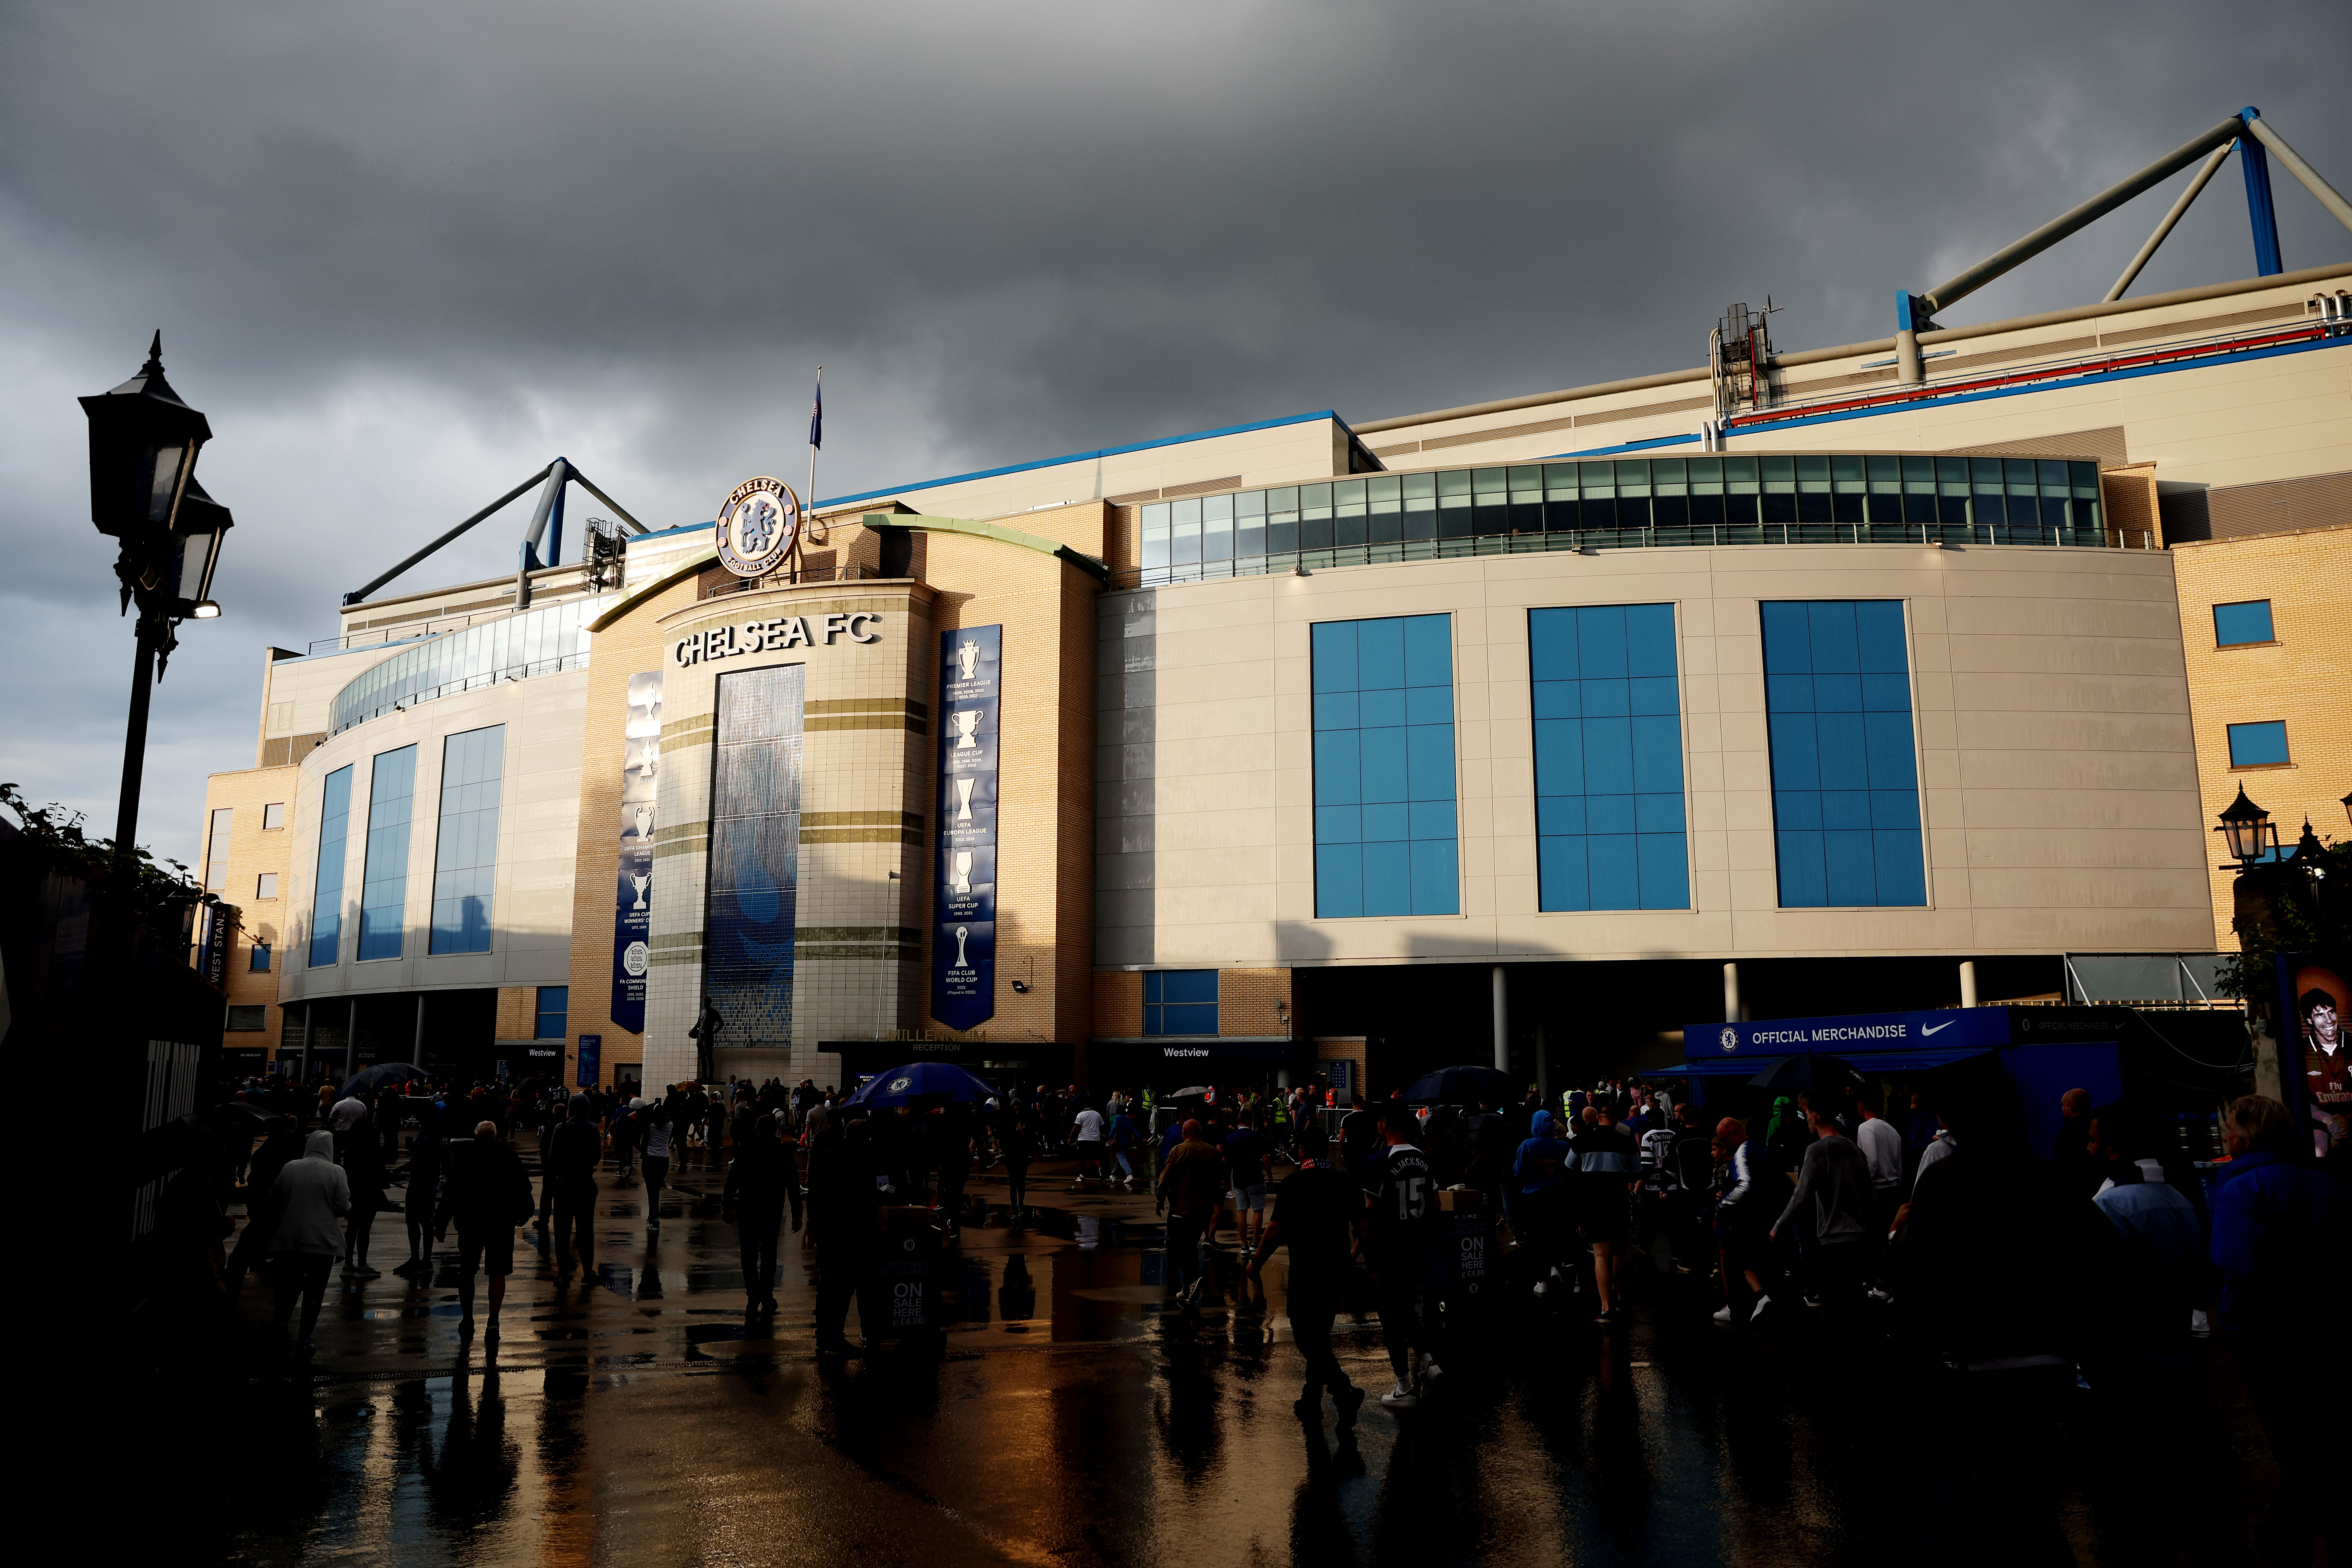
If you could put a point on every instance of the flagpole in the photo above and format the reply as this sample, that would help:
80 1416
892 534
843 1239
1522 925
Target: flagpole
814 436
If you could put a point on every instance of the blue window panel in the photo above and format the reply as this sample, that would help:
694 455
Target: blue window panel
1335 656
1607 698
1338 710
1154 980
1803 885
1436 877
1658 813
1851 863
1845 779
1431 754
1551 644
1188 1020
1559 757
1384 745
1664 871
1657 752
2237 625
1339 824
466 853
1338 772
1654 695
553 1013
1381 655
1431 820
1557 813
1608 756
1615 872
1901 871
384 886
1558 699
1388 878
1384 763
1605 814
1600 642
1189 987
2258 745
334 847
1338 880
1429 650
1650 640
1560 871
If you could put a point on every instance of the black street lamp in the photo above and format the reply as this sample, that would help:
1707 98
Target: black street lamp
143 445
2248 831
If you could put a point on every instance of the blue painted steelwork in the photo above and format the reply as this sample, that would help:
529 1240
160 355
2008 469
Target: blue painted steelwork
2255 163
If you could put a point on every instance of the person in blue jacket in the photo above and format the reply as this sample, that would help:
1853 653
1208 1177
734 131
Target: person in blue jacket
1539 1183
2282 1242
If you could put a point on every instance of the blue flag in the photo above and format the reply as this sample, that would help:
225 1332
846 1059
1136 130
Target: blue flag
816 418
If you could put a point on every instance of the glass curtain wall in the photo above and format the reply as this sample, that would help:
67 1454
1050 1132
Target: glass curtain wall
536 642
1609 828
752 913
1845 778
1385 835
1621 503
383 885
327 899
466 854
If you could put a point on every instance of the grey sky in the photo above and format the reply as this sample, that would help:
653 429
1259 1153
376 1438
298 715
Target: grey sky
401 256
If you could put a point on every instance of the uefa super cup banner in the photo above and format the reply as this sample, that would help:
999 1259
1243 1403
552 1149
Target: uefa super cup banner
963 888
632 892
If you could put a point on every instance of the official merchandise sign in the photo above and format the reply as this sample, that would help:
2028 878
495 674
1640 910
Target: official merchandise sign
1978 1027
963 886
758 527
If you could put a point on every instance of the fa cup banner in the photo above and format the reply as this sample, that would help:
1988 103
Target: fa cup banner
963 886
633 892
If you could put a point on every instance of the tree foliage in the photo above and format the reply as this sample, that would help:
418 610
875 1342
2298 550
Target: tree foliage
159 889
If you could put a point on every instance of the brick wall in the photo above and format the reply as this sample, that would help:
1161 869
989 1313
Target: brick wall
252 851
1119 1004
1246 1000
518 1018
2300 677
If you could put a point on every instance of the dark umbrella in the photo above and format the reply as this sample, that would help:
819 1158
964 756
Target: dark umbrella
937 1083
1461 1086
376 1077
1808 1070
1198 1092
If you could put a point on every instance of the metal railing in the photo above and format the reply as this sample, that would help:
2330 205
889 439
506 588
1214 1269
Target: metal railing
849 572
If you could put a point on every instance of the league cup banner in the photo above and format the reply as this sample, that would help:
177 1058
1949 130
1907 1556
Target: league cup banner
963 887
634 883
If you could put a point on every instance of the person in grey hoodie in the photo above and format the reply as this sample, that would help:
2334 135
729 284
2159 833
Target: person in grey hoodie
311 1194
1833 1201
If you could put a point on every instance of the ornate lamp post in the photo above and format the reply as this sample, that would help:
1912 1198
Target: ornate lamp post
143 445
2248 832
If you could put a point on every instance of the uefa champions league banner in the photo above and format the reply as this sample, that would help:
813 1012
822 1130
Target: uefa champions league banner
963 886
633 890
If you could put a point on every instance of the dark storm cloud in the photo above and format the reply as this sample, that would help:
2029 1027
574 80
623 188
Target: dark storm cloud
404 255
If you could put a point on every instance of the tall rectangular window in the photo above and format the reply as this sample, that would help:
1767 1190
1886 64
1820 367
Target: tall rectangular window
1845 778
383 884
466 856
751 915
2249 621
1385 838
1180 1000
2262 745
273 817
265 886
554 1008
327 887
1609 759
216 850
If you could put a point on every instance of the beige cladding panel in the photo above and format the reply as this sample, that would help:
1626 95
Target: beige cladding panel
2055 746
253 852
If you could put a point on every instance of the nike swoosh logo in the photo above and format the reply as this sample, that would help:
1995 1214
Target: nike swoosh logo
1933 1028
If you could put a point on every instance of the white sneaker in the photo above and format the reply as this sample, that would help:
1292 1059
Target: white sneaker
1761 1302
1723 1316
1543 1287
1399 1398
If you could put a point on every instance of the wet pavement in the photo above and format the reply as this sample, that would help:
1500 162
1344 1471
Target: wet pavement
1073 1416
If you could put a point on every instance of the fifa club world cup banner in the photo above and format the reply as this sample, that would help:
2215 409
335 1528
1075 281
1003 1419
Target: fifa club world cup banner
633 890
963 889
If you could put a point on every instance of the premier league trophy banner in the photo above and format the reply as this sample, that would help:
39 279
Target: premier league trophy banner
633 890
963 888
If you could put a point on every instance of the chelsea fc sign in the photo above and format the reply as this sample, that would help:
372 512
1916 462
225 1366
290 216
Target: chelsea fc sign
758 527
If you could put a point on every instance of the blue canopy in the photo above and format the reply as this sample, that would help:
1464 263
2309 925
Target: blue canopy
938 1081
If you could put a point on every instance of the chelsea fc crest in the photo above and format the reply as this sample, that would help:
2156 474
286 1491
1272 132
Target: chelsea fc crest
1730 1038
758 527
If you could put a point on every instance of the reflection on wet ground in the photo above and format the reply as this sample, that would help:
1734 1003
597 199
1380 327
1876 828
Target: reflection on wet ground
1073 1417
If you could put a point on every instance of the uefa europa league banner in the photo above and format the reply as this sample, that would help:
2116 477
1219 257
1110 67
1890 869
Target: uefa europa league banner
632 891
963 888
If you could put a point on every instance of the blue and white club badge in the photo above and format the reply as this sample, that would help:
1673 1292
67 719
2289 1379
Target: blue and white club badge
758 527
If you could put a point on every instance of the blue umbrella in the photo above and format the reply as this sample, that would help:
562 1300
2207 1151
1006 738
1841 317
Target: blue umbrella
936 1082
1460 1085
376 1077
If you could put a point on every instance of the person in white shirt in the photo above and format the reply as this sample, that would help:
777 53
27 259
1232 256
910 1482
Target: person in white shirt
345 1112
1883 1146
1087 1132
